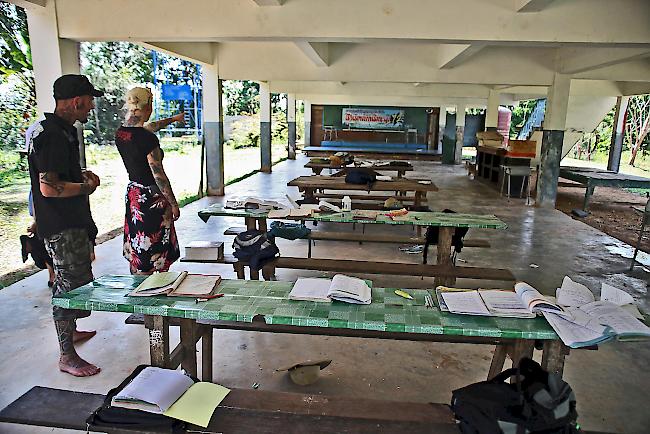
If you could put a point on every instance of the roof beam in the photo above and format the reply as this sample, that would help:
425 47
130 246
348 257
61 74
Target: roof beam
198 52
27 4
574 61
317 52
269 2
452 55
531 5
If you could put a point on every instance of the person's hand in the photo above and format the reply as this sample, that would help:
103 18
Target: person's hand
180 117
31 229
87 174
176 212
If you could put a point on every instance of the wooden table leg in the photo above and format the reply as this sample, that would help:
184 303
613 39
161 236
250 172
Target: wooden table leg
158 339
417 200
498 360
261 224
188 342
206 353
521 348
444 254
251 223
588 193
553 355
255 274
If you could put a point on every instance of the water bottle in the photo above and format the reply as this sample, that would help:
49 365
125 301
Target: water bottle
347 203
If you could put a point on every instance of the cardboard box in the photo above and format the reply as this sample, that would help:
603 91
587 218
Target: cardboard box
493 139
523 148
204 251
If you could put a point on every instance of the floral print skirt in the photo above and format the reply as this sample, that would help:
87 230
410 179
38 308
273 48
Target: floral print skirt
150 242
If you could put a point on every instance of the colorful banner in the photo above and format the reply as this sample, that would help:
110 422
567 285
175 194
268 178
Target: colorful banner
373 119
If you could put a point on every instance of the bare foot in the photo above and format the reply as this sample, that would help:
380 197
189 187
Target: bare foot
81 335
77 366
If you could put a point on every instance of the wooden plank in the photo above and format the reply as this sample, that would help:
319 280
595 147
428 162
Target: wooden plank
338 183
188 342
361 197
158 340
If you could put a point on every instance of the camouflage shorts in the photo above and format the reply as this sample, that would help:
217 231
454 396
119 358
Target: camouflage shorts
70 251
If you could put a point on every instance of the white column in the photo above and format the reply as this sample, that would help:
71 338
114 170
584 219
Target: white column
291 124
307 118
492 111
265 127
460 130
557 102
213 129
52 56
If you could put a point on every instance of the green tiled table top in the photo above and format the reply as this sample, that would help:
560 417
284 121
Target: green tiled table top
245 299
417 218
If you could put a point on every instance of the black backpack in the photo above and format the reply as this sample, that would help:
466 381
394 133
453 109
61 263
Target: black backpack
536 402
361 175
432 235
115 418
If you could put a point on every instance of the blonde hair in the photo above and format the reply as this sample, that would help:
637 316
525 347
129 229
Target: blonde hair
138 98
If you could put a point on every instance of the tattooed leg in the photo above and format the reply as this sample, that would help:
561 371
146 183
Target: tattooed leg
70 361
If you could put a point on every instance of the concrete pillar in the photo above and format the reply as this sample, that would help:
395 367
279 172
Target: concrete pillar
618 132
265 127
492 111
460 130
51 56
213 129
557 101
307 116
291 123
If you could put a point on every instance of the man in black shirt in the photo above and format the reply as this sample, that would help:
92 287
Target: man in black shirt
61 208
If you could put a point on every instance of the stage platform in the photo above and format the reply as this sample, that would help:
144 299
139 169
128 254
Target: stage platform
375 150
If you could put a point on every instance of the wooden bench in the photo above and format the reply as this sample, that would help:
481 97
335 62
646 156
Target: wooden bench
248 411
366 267
370 238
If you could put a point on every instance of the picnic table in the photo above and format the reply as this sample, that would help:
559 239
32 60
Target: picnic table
401 169
447 223
263 306
591 178
310 185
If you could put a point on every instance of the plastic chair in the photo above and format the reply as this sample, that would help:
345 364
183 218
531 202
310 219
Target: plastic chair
509 171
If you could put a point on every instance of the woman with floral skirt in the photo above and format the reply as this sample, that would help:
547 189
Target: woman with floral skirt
150 242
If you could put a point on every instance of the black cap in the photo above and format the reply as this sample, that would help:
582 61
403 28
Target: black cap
71 85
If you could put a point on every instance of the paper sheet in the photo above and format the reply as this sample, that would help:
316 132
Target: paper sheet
350 290
621 321
573 293
615 295
278 213
468 303
575 335
198 404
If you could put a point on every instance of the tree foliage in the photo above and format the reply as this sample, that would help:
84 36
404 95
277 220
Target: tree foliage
637 124
16 55
520 113
112 67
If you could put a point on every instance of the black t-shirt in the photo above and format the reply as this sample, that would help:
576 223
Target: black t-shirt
134 143
53 147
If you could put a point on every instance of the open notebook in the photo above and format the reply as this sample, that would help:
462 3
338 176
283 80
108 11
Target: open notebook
524 302
340 288
177 284
172 393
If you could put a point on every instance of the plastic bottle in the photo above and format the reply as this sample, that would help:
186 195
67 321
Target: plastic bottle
347 203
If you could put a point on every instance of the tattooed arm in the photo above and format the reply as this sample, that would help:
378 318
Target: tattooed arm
162 123
51 186
155 162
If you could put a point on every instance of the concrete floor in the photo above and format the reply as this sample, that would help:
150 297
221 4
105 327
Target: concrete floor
611 384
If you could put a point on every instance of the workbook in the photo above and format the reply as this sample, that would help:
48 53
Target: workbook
172 393
177 284
524 302
340 288
593 321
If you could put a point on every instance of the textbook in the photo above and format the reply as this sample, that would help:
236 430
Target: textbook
177 284
172 393
340 287
524 302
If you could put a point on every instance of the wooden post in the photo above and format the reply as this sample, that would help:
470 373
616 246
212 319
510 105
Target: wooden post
553 355
158 339
498 360
206 353
188 342
444 254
